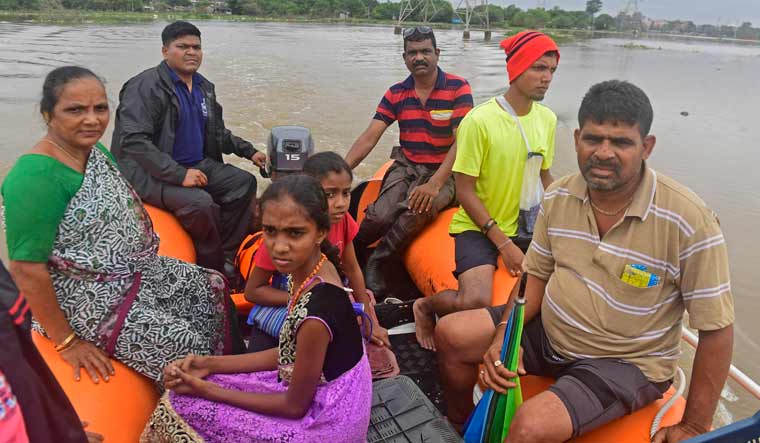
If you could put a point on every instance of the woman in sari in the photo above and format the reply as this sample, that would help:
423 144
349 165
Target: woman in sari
84 253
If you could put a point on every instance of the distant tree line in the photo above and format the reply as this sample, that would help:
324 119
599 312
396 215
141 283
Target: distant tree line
745 31
94 5
441 11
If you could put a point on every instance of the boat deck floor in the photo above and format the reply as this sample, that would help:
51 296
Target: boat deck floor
420 365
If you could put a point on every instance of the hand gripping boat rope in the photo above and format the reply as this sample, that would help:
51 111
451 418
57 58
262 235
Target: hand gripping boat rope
664 409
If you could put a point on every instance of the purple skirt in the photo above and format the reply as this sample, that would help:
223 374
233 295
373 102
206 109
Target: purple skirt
339 413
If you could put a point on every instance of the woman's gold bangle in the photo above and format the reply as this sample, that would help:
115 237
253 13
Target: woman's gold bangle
66 342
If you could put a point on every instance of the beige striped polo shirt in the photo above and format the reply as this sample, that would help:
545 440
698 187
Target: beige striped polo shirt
623 296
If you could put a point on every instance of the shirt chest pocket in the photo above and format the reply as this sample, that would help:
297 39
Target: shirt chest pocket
441 115
628 283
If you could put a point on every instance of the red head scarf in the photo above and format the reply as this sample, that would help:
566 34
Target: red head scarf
524 48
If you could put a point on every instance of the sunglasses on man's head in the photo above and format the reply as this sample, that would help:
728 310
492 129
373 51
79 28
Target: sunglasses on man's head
424 30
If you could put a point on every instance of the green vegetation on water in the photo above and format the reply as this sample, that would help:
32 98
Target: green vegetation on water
631 45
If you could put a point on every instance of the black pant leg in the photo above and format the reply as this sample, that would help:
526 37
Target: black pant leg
199 215
234 191
381 214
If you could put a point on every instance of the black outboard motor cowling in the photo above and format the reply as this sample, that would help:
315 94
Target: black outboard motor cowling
287 149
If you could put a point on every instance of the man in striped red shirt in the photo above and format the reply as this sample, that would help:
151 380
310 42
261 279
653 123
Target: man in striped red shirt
428 106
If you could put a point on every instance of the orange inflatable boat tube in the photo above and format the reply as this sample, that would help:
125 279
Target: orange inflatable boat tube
117 409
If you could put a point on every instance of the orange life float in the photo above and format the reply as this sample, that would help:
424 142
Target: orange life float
118 409
175 241
244 262
429 259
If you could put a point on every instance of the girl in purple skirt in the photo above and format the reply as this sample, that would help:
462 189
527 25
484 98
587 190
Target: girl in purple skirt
317 386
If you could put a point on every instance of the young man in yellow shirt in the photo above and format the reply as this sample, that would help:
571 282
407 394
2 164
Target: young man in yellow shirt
494 142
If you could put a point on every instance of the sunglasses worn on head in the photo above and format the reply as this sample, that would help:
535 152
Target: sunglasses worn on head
424 30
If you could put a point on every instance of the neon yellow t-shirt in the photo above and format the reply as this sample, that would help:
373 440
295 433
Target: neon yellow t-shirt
491 148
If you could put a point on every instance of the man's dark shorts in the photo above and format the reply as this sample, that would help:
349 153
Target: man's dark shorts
594 391
473 248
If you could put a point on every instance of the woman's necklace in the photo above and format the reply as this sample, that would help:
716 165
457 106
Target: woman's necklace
65 151
610 213
296 295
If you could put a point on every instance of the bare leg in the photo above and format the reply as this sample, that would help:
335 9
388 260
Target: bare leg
475 287
462 338
542 419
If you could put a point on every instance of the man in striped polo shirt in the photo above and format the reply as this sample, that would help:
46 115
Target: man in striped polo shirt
428 106
619 253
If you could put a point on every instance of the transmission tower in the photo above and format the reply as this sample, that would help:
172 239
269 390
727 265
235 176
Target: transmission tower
630 13
631 7
408 7
466 10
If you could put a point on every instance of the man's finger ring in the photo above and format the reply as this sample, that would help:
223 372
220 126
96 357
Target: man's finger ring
482 372
497 363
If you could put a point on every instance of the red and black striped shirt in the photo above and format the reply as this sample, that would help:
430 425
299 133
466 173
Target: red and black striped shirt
426 132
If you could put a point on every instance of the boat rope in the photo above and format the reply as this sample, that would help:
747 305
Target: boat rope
671 401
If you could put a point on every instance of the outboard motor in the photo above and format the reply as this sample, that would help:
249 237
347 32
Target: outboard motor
287 150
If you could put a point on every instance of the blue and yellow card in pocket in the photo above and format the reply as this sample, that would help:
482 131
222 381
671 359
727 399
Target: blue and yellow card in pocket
638 276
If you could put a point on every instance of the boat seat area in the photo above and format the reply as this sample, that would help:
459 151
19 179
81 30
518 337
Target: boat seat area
633 428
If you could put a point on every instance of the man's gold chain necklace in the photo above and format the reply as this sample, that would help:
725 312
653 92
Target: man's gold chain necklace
611 213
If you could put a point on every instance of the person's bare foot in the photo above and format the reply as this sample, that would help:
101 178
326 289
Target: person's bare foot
424 325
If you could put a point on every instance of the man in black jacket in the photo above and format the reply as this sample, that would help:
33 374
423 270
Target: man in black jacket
169 139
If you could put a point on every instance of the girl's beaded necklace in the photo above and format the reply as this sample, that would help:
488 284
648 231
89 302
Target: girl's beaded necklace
294 296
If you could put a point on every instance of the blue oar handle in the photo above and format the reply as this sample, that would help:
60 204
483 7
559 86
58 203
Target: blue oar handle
520 300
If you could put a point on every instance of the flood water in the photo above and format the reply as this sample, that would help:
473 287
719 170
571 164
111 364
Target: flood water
330 78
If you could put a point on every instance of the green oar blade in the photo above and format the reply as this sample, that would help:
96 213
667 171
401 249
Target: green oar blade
514 395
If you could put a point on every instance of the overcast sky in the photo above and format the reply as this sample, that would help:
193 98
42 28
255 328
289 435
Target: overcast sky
700 11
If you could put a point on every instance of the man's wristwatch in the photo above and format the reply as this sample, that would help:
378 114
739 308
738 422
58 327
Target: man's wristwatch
487 226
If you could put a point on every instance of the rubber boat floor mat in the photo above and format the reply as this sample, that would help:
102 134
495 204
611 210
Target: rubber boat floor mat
391 315
402 414
420 365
